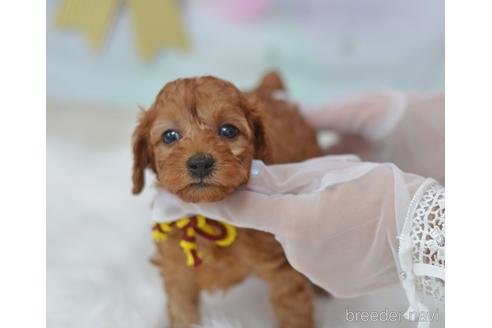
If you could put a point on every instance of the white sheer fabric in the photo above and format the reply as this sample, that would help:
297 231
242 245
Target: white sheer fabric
406 130
338 220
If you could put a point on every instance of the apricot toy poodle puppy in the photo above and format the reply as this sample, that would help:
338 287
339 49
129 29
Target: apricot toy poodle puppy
199 138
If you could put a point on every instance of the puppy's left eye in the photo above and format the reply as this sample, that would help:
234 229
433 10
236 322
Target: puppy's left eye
228 131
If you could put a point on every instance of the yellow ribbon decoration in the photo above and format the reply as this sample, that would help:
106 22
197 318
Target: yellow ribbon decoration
221 233
157 23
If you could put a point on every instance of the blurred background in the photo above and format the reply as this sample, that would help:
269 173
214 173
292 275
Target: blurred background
106 57
324 48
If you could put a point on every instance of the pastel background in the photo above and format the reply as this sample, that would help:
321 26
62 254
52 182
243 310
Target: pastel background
324 49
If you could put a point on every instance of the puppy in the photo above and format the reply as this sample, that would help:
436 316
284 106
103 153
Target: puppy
199 138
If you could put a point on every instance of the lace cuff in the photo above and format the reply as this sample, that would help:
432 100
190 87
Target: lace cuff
421 253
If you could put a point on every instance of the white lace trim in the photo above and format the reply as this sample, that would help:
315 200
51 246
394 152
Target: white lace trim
421 253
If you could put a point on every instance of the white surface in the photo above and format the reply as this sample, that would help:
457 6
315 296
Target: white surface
99 241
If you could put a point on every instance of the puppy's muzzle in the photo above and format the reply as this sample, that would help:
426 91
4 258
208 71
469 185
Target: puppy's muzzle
200 165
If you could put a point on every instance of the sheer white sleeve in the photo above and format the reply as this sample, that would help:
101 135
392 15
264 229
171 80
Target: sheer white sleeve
327 206
422 243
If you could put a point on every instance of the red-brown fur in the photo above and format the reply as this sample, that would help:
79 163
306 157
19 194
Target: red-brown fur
271 130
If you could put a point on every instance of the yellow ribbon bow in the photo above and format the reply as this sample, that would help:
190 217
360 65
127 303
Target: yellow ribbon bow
157 22
221 233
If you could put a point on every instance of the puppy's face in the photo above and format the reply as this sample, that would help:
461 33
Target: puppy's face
199 137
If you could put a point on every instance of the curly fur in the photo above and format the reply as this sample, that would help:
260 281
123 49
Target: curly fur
270 129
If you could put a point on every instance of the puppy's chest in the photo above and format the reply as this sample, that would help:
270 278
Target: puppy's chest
219 267
225 260
200 239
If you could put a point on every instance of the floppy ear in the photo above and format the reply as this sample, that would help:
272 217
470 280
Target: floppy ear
142 156
257 123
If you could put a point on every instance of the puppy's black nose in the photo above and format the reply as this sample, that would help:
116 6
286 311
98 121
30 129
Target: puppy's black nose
200 165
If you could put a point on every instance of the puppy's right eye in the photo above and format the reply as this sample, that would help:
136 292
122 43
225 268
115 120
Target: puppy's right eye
170 136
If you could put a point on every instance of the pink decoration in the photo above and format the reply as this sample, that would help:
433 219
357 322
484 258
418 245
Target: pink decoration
241 9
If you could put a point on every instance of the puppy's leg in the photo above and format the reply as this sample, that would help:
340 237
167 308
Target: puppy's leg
290 291
182 301
183 293
291 297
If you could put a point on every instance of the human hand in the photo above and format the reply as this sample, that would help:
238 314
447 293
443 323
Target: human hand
407 130
336 218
